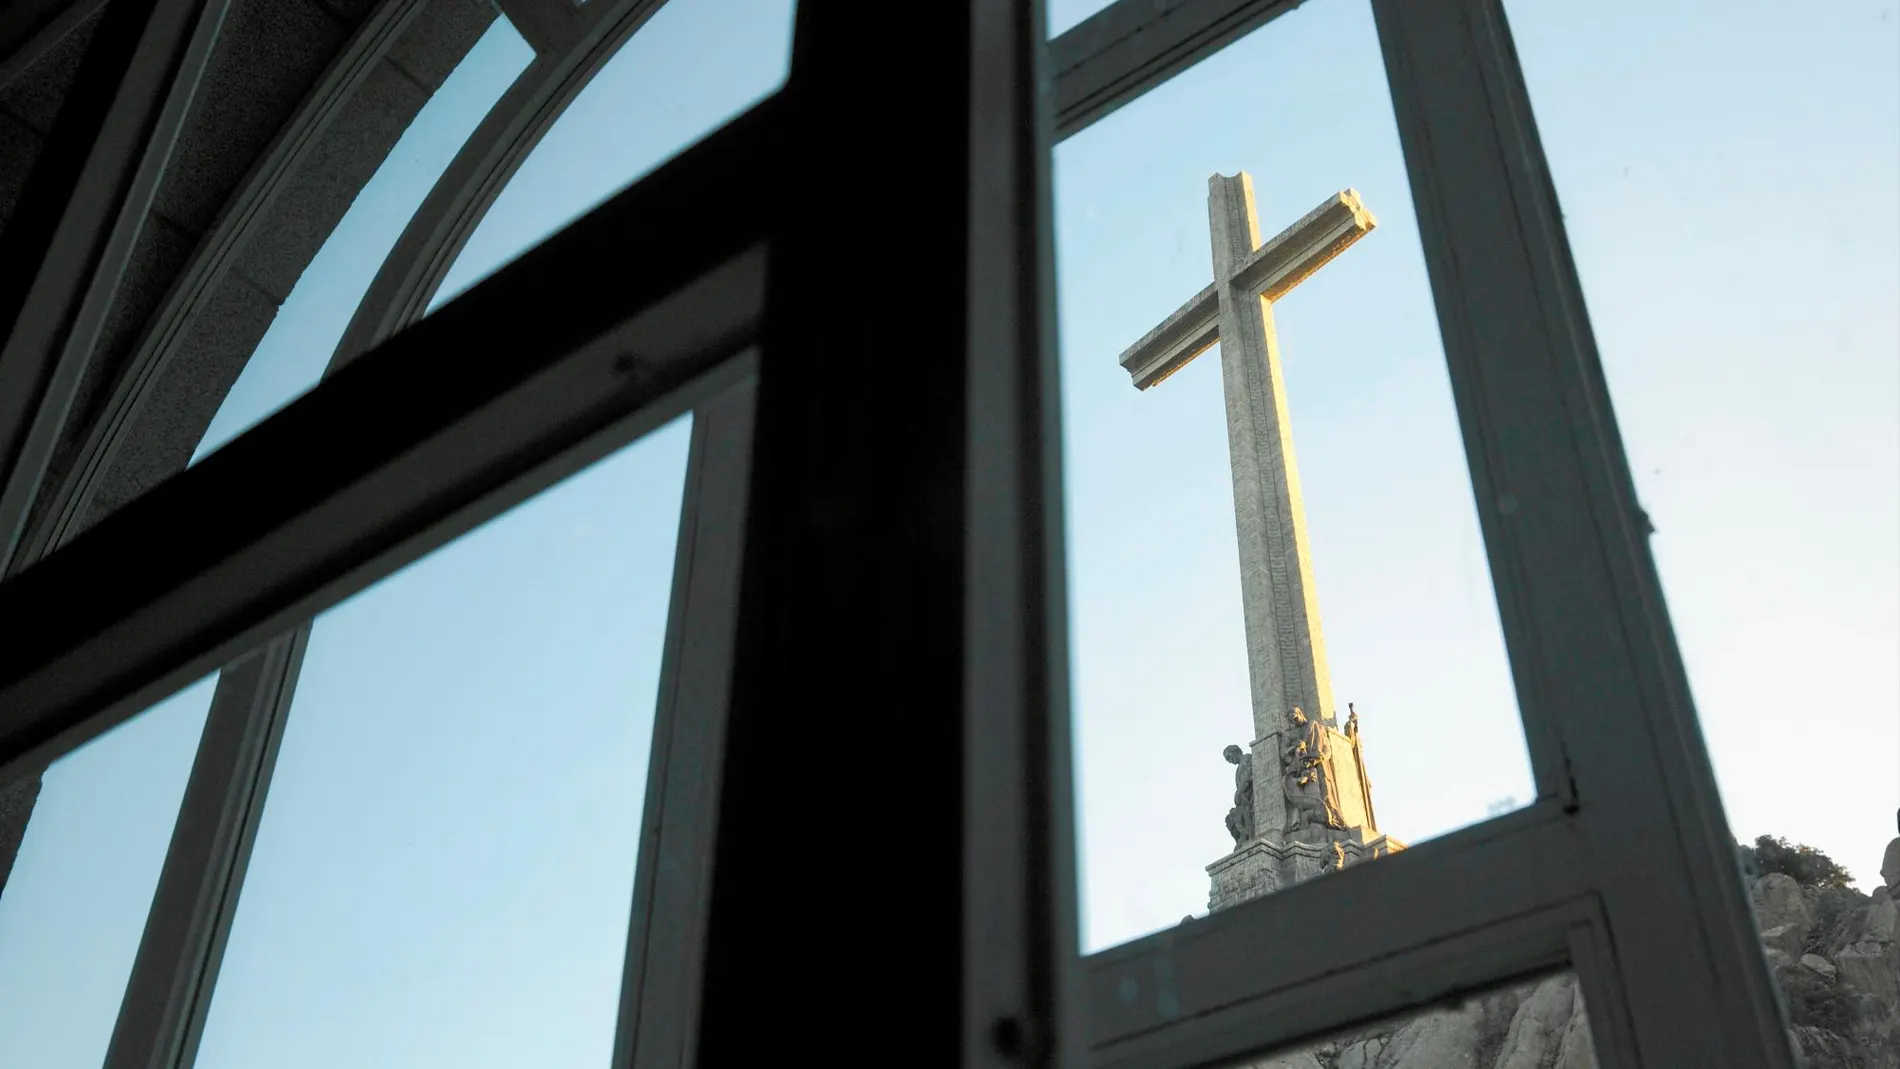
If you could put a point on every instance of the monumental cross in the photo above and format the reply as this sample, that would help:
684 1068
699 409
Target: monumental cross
1286 654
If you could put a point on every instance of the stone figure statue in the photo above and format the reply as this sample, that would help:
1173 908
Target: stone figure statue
1352 721
1312 795
1305 765
1305 805
1240 817
1311 737
1890 868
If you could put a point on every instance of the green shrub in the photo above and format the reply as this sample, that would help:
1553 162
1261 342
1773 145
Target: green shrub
1818 1003
1837 919
1808 867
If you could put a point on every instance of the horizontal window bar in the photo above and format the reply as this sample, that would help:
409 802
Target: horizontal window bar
1352 946
610 328
1126 49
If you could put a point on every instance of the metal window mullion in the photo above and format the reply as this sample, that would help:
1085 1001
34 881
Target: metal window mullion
434 236
1420 978
659 991
71 234
174 976
175 971
411 273
1593 961
547 25
1113 57
1485 905
180 953
245 214
845 899
1599 677
336 490
1129 47
1019 884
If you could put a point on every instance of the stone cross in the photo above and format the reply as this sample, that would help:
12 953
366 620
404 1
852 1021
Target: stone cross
1286 655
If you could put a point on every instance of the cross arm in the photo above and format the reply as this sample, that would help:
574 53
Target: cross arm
1181 337
1272 270
1306 246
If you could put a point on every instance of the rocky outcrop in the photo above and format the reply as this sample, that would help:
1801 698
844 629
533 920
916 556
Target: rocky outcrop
1833 952
1778 902
1549 1030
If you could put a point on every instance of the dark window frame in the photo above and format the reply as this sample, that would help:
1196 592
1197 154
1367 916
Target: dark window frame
1646 908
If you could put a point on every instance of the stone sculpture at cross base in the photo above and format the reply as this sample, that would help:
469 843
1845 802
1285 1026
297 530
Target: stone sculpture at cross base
1321 821
1240 818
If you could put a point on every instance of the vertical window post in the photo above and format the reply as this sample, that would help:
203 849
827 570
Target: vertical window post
879 883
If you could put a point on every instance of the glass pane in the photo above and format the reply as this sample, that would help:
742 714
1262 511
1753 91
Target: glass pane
1749 333
1196 632
74 907
298 346
1536 1025
443 870
695 65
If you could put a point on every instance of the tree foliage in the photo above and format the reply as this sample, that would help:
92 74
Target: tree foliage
1806 865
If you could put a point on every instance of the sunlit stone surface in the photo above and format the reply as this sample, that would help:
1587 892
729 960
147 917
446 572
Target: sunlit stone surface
1302 799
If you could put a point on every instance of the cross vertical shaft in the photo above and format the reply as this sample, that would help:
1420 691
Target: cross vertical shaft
1286 653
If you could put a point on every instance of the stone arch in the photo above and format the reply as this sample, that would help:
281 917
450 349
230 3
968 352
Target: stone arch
157 385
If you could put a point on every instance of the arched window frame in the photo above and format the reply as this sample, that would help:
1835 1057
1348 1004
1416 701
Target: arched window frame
1589 876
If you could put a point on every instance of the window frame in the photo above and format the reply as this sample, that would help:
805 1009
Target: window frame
1621 870
1647 910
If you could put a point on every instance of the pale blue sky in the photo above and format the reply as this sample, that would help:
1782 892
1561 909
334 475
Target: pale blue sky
442 871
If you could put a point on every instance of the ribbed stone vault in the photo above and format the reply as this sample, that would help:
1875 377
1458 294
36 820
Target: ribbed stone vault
300 102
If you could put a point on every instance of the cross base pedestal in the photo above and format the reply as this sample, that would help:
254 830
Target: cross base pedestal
1265 865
